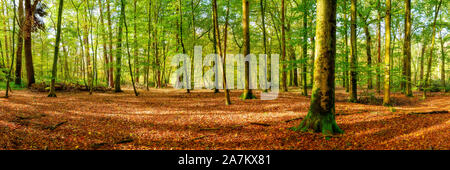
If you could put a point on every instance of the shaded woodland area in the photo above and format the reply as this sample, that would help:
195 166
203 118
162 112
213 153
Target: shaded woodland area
96 74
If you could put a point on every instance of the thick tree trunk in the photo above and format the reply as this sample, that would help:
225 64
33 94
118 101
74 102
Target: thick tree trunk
29 8
321 115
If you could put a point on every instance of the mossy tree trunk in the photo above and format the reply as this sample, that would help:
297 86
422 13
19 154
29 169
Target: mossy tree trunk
407 48
305 48
321 115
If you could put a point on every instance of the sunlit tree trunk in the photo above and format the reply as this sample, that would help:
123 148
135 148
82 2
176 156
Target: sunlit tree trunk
346 68
353 55
407 48
246 31
321 115
122 6
379 47
387 55
118 63
430 59
110 37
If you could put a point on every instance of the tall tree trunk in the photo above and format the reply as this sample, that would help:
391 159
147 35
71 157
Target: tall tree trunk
387 55
407 48
445 89
56 51
222 54
119 51
110 36
19 52
149 42
379 47
182 45
262 4
155 44
136 48
122 13
346 68
283 46
430 59
86 28
8 77
105 43
305 48
321 115
353 55
246 31
29 9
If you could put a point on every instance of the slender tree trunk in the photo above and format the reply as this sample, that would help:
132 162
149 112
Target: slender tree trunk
353 55
19 52
262 4
387 55
379 47
321 115
430 59
445 89
182 44
86 46
283 46
122 13
305 48
110 36
8 77
119 51
346 68
246 31
136 47
369 54
149 42
407 48
56 51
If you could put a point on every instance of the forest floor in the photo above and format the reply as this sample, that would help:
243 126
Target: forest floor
172 119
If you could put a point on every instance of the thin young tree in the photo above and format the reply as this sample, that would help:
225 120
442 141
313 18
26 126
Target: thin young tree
18 79
321 115
52 92
283 46
353 92
430 58
305 47
378 46
387 55
8 76
122 6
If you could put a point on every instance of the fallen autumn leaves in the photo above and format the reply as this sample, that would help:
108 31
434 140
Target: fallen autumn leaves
172 119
